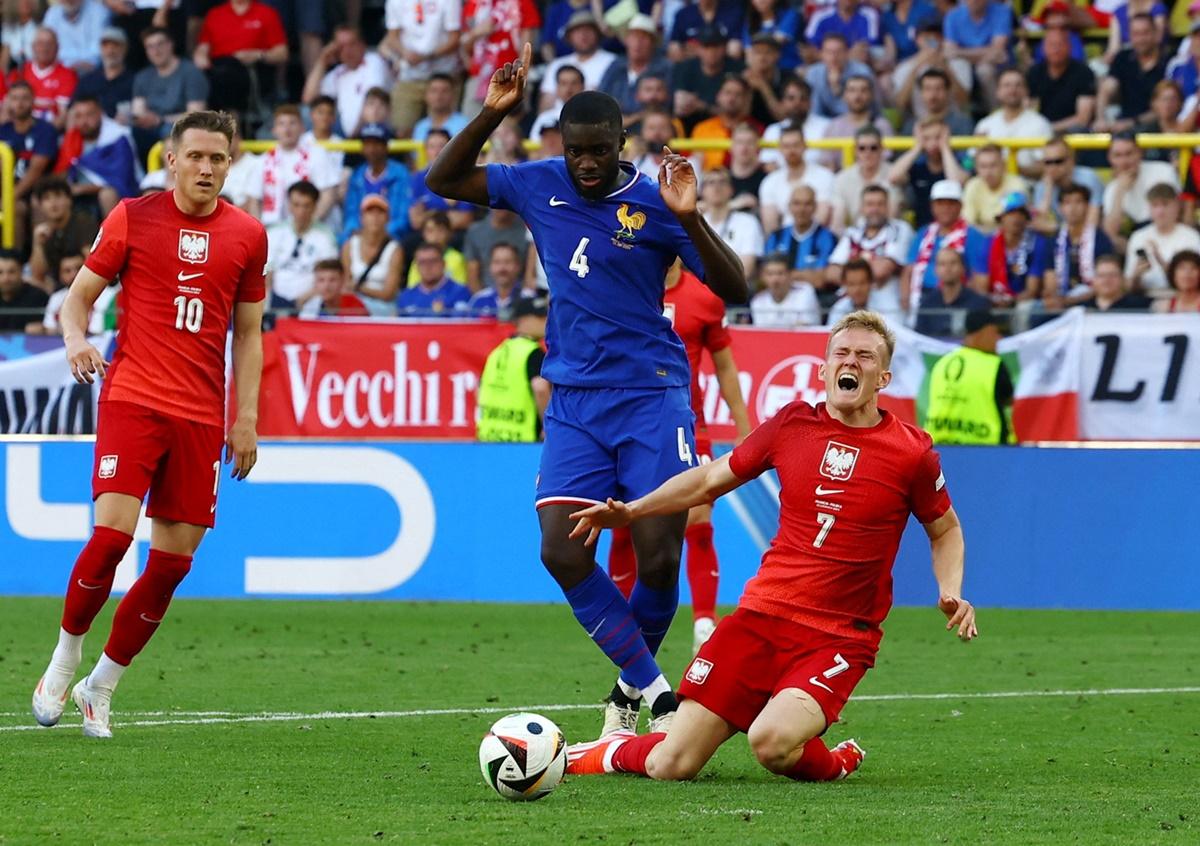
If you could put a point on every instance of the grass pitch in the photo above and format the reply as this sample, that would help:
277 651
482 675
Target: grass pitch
247 722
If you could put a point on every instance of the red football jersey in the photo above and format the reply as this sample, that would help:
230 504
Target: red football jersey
845 496
52 88
180 279
698 316
226 32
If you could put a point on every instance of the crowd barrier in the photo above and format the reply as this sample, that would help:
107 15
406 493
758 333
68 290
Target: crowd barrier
1050 528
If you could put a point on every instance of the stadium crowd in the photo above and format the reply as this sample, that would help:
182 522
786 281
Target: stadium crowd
90 87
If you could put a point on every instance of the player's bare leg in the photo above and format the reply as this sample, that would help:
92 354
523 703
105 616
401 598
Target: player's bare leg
601 609
116 517
678 755
786 739
172 545
702 572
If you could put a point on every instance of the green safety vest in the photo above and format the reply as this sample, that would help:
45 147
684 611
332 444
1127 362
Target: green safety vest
962 399
506 409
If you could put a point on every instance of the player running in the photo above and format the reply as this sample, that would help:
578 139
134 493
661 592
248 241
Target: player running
807 628
698 317
188 262
619 420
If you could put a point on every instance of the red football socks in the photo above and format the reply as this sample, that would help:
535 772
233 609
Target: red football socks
817 763
702 571
630 756
622 562
92 578
142 609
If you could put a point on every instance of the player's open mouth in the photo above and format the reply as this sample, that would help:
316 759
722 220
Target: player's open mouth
590 180
847 382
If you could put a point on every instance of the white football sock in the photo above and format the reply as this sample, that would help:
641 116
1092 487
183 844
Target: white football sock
106 674
629 690
655 689
67 654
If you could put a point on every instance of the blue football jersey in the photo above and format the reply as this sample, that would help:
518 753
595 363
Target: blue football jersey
605 262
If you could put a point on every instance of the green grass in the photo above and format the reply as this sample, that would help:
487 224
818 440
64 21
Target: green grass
1086 769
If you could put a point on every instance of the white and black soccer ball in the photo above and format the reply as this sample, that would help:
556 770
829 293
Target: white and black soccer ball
523 757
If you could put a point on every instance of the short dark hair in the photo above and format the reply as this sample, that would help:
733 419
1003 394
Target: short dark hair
858 264
568 68
592 108
506 245
52 184
151 31
875 188
1141 16
441 77
1124 135
834 35
1075 189
990 148
205 121
86 98
288 109
437 130
329 264
306 188
1110 258
323 100
438 217
20 83
427 246
9 255
734 78
794 81
1181 257
776 258
379 94
933 73
1161 191
868 131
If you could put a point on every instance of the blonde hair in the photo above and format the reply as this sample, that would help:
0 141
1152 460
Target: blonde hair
872 321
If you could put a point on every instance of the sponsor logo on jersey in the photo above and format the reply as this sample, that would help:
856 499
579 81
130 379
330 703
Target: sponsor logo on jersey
699 671
838 461
630 222
794 378
193 246
940 483
108 467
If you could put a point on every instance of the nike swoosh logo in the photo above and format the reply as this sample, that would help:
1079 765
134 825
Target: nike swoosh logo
85 586
555 201
183 277
156 622
621 577
592 633
821 684
824 491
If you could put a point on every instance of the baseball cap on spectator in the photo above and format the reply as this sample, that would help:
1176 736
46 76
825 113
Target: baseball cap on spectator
378 131
712 35
537 306
112 33
581 18
1056 7
642 23
765 37
374 201
1013 202
946 189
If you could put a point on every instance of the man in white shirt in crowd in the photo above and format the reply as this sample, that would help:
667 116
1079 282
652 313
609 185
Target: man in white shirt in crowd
775 193
1015 120
867 170
740 230
286 164
796 100
78 24
294 246
1126 206
583 34
346 70
422 39
880 240
1152 247
858 292
782 303
322 114
568 81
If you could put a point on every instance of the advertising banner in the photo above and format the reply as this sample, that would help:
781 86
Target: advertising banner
39 396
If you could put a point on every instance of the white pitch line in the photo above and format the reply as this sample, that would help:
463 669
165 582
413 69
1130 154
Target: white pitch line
221 717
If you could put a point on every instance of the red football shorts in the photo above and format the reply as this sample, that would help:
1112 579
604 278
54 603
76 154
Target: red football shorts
704 447
752 656
177 460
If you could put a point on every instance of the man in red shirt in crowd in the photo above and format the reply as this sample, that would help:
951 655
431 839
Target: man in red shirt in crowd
52 82
162 415
248 30
698 316
807 628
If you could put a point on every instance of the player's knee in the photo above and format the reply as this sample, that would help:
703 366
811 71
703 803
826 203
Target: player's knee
658 567
772 747
168 567
667 764
567 565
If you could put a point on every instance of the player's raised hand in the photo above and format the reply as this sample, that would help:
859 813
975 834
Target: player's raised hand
677 183
508 83
86 362
960 615
241 448
604 515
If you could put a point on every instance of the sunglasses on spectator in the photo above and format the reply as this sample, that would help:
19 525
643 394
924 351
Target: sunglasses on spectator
1054 161
869 148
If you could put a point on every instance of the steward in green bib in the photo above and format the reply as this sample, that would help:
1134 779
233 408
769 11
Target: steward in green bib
970 389
512 393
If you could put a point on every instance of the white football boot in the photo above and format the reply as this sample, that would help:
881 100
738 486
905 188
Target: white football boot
50 696
618 718
94 705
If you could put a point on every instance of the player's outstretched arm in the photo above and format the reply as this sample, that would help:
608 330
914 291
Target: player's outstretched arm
87 364
723 270
949 549
241 445
454 174
697 486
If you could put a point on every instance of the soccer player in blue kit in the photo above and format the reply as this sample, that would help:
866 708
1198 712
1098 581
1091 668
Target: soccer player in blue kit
619 421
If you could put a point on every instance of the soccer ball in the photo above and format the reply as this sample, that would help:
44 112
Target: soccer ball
523 757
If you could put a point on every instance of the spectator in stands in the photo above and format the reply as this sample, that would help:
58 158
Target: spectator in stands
507 143
583 33
35 146
944 305
164 90
733 108
78 25
1109 291
696 81
494 34
377 175
858 25
500 226
245 174
985 192
421 40
424 202
746 171
1059 171
1152 248
322 115
647 153
568 83
867 170
435 294
505 265
910 74
554 29
934 100
880 240
1184 71
133 17
738 229
234 39
112 82
1126 205
765 78
98 157
1014 120
1120 29
295 245
439 109
20 302
1183 275
1019 259
437 231
20 25
346 70
50 324
796 102
947 231
696 21
551 143
651 94
287 163
1076 247
1062 88
1166 106
783 303
775 193
858 291
52 82
980 31
861 113
780 20
929 161
329 295
902 24
621 79
1191 190
805 242
374 260
827 78
1131 78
